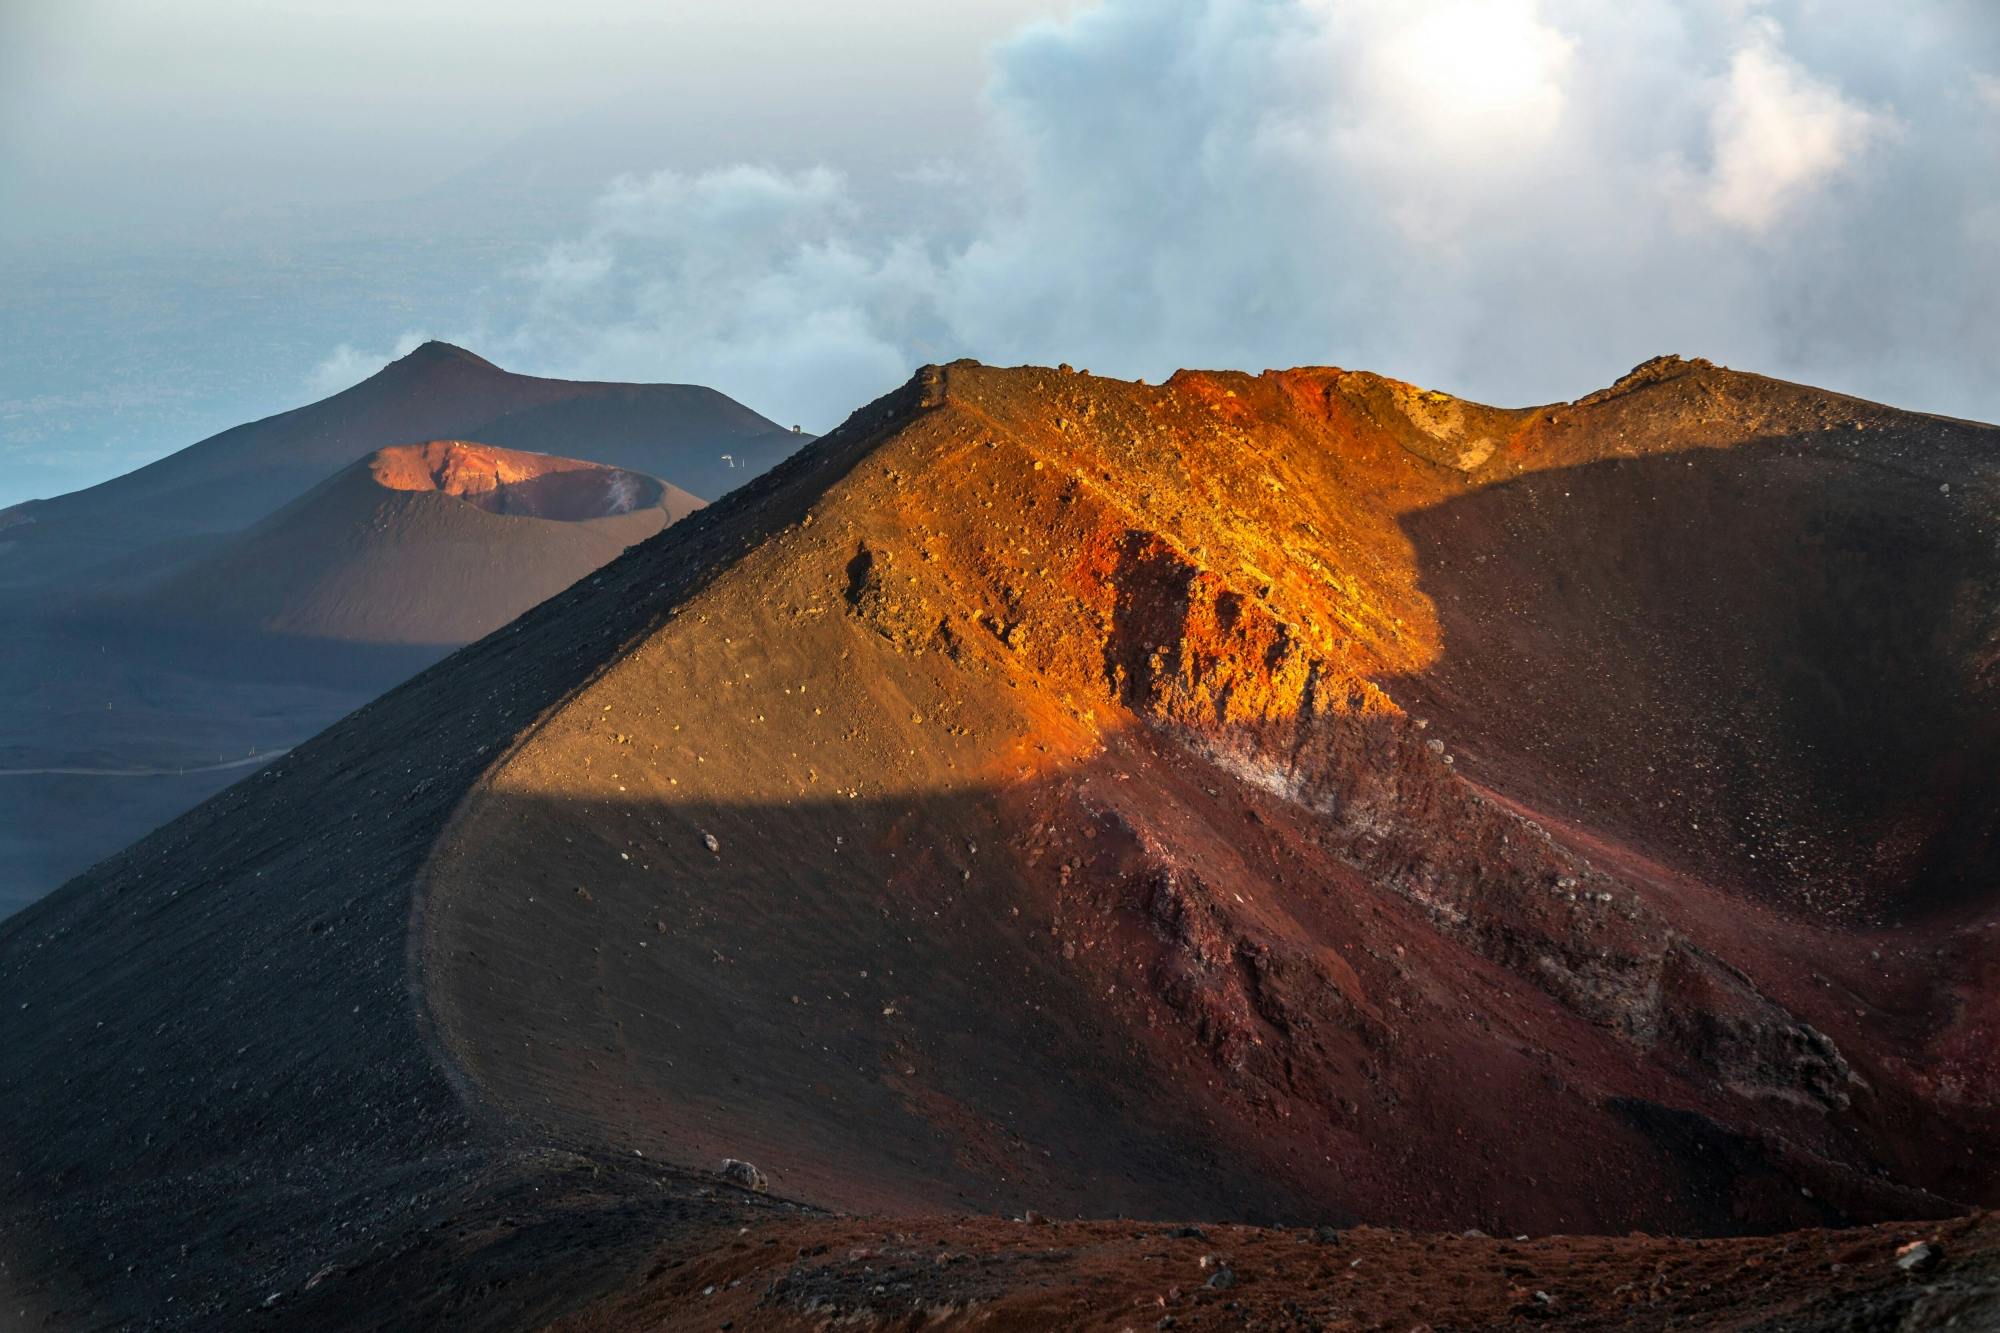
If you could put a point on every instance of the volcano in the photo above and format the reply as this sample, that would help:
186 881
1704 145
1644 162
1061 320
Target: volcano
160 513
438 543
1345 825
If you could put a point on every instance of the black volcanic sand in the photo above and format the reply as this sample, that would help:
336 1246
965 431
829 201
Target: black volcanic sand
1026 799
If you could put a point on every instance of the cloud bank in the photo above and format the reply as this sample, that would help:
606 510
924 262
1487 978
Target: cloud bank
1511 199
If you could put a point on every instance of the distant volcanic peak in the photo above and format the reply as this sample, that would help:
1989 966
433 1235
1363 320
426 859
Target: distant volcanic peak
514 482
434 352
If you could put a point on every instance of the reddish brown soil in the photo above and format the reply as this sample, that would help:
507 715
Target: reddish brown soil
611 1253
1297 800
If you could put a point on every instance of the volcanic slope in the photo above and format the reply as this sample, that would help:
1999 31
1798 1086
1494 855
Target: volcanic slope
1295 798
438 543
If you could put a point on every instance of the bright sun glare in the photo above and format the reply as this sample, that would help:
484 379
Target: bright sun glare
1472 72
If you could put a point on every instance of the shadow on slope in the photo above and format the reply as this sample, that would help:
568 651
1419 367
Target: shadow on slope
1091 999
1770 666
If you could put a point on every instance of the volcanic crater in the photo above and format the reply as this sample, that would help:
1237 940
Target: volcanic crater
510 481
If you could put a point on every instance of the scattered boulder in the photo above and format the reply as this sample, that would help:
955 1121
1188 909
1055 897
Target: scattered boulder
744 1175
894 607
710 841
1223 1278
1919 1256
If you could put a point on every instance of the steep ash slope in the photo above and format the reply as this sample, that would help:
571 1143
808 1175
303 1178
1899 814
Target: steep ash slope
1769 662
1048 792
421 544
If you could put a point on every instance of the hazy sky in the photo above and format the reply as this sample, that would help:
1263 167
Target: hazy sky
214 209
119 115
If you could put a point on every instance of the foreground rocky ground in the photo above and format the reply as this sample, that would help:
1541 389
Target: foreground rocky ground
577 1245
669 1251
1111 1276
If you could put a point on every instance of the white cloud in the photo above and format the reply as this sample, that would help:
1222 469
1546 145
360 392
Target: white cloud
752 280
1779 133
1461 78
1515 199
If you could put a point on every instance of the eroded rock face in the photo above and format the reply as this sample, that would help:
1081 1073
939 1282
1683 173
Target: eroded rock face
1214 668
